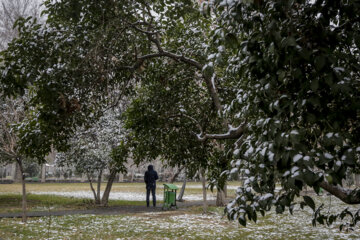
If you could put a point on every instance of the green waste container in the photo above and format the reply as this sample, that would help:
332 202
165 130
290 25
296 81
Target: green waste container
169 196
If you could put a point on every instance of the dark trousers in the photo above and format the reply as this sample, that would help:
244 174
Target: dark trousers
152 190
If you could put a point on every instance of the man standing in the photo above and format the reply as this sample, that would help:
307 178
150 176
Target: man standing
150 179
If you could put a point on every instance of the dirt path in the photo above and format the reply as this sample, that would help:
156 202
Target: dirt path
115 210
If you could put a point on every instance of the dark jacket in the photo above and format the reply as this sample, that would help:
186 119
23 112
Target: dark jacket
150 177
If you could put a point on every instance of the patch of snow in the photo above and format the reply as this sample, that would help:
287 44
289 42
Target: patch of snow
294 132
127 196
236 152
294 169
287 173
263 152
271 156
329 135
297 157
266 196
328 156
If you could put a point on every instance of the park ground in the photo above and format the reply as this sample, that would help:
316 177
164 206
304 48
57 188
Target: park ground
128 218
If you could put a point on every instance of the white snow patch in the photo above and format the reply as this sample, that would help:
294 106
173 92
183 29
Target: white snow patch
329 135
287 173
294 132
328 156
236 152
266 196
294 169
127 196
297 157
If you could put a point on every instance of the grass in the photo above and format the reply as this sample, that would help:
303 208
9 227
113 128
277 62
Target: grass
182 224
187 223
10 198
12 203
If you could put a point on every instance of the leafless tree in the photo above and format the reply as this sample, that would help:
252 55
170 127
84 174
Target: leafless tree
10 11
12 110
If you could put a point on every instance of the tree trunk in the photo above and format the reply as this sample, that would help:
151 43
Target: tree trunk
97 199
121 177
225 190
16 173
132 175
220 198
99 186
173 178
105 198
203 181
182 191
24 203
357 180
43 173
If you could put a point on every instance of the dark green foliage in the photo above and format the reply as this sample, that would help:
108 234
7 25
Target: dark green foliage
297 73
288 70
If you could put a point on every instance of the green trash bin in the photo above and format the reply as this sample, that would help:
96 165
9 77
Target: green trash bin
169 196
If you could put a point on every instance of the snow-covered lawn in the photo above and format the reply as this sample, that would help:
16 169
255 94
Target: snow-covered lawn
170 225
129 196
120 191
182 224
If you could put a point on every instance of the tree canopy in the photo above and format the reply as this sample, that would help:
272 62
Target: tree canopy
275 82
297 70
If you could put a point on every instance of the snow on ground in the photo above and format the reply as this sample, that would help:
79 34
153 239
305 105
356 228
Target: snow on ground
169 225
128 196
200 187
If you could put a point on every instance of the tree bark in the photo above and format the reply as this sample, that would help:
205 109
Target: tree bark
43 173
220 198
132 175
203 181
106 194
225 190
357 180
348 196
24 203
173 178
182 191
97 200
121 177
99 187
16 173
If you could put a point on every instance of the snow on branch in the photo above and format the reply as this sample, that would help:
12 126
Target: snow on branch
348 196
233 133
